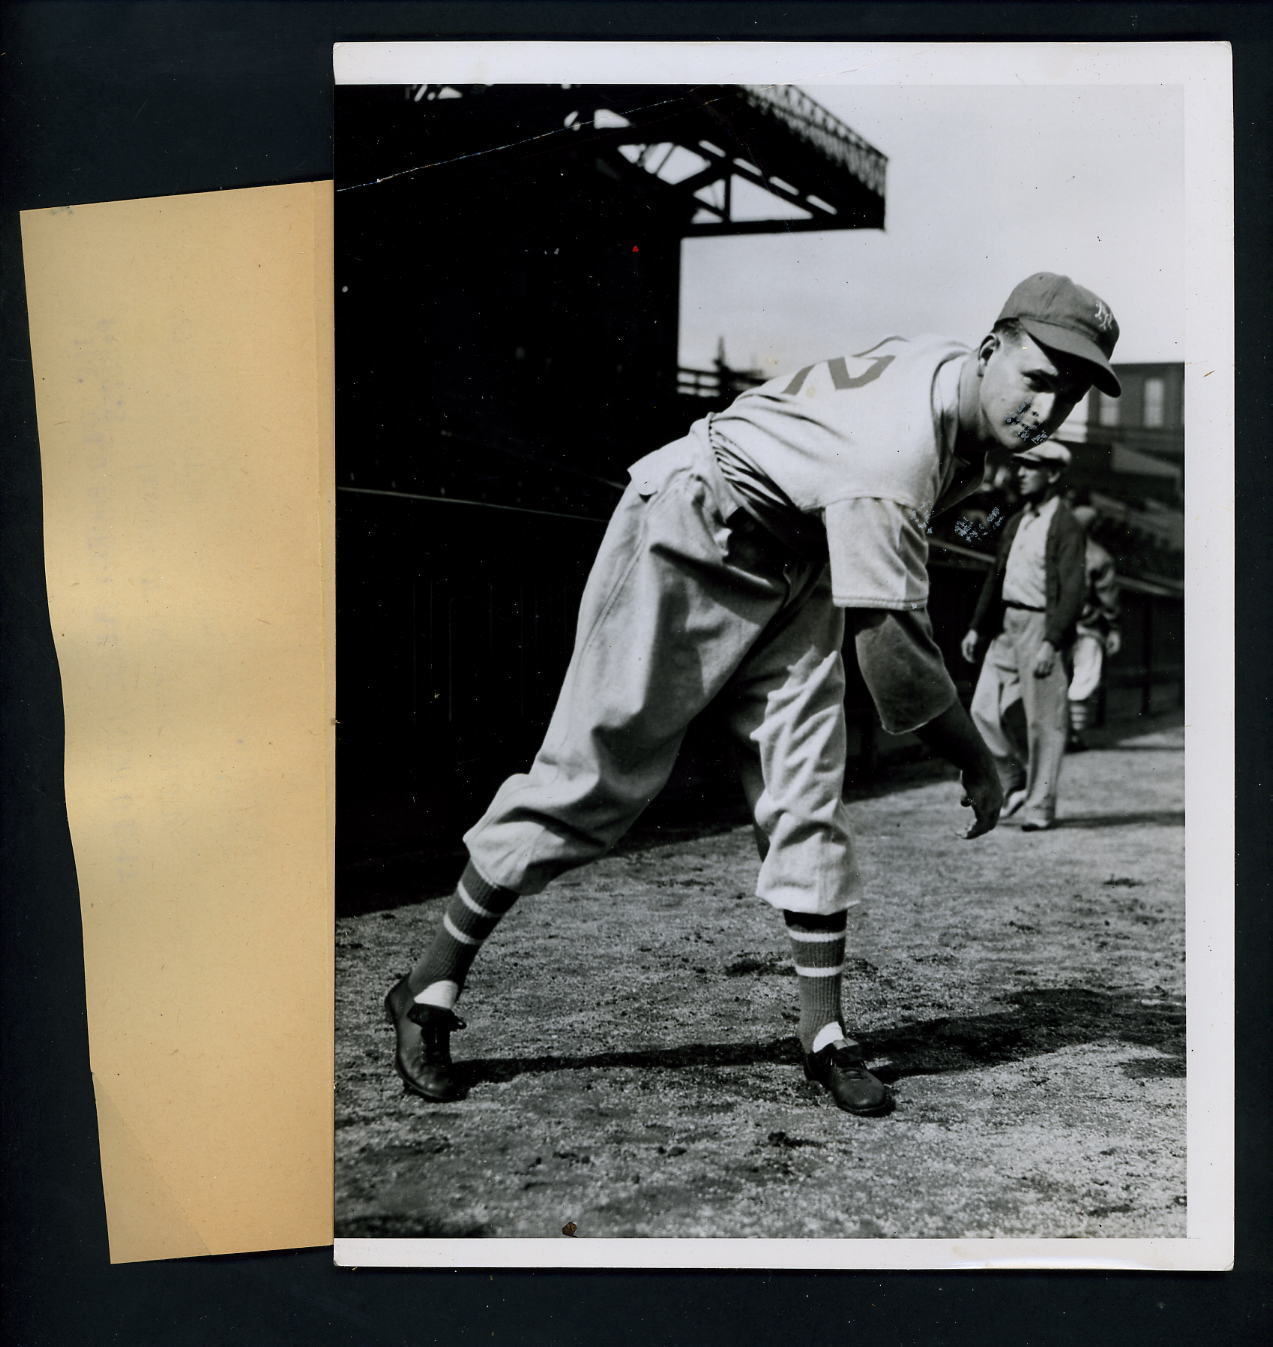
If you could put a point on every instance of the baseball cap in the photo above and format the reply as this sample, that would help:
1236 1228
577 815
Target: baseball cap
1064 316
1049 453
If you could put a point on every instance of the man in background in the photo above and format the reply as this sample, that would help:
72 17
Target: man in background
1028 609
1098 636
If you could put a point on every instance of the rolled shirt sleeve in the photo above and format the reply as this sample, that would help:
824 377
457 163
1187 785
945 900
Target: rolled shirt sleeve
902 667
879 553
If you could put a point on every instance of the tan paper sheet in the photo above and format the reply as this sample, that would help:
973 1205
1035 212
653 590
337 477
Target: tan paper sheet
182 350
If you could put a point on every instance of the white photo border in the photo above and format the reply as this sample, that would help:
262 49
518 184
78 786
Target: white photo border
1203 71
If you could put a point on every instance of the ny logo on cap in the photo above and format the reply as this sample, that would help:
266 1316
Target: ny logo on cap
1104 319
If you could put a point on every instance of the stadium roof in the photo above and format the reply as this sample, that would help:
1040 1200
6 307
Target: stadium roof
745 158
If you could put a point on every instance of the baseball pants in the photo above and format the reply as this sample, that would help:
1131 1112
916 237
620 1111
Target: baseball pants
689 601
1088 656
1007 677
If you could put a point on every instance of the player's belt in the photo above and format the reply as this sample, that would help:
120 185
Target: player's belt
1025 607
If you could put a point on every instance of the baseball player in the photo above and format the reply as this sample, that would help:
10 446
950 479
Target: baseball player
1097 635
727 575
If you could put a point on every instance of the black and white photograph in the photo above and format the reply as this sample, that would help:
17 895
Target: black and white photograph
763 550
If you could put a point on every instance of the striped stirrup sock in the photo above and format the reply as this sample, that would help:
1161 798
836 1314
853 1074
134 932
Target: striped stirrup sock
1080 716
817 950
472 912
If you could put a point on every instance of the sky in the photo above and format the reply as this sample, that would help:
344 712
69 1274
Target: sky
985 186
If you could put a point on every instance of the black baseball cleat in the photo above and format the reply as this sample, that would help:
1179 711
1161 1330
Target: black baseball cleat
423 1055
841 1070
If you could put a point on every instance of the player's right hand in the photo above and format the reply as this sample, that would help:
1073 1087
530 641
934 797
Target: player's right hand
984 796
968 646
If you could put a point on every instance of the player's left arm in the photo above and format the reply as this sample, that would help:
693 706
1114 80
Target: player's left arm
913 693
901 666
878 552
879 575
953 736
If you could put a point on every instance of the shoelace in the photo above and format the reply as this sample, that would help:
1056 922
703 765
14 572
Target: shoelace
848 1059
437 1036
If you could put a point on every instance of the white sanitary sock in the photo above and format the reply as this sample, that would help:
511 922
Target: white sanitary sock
441 994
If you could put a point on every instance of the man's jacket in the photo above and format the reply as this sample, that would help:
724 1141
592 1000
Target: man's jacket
1064 579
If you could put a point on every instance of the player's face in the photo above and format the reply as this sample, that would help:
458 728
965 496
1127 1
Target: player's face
1025 391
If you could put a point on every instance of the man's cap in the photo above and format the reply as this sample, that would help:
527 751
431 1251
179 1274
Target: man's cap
1049 454
1065 317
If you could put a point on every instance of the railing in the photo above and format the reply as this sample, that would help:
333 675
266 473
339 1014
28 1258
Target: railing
719 384
698 383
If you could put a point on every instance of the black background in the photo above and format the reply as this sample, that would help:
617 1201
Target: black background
108 100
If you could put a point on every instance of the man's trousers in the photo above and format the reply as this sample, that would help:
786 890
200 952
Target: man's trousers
689 602
1008 677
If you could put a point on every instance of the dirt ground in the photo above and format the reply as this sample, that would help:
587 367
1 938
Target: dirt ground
633 1069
